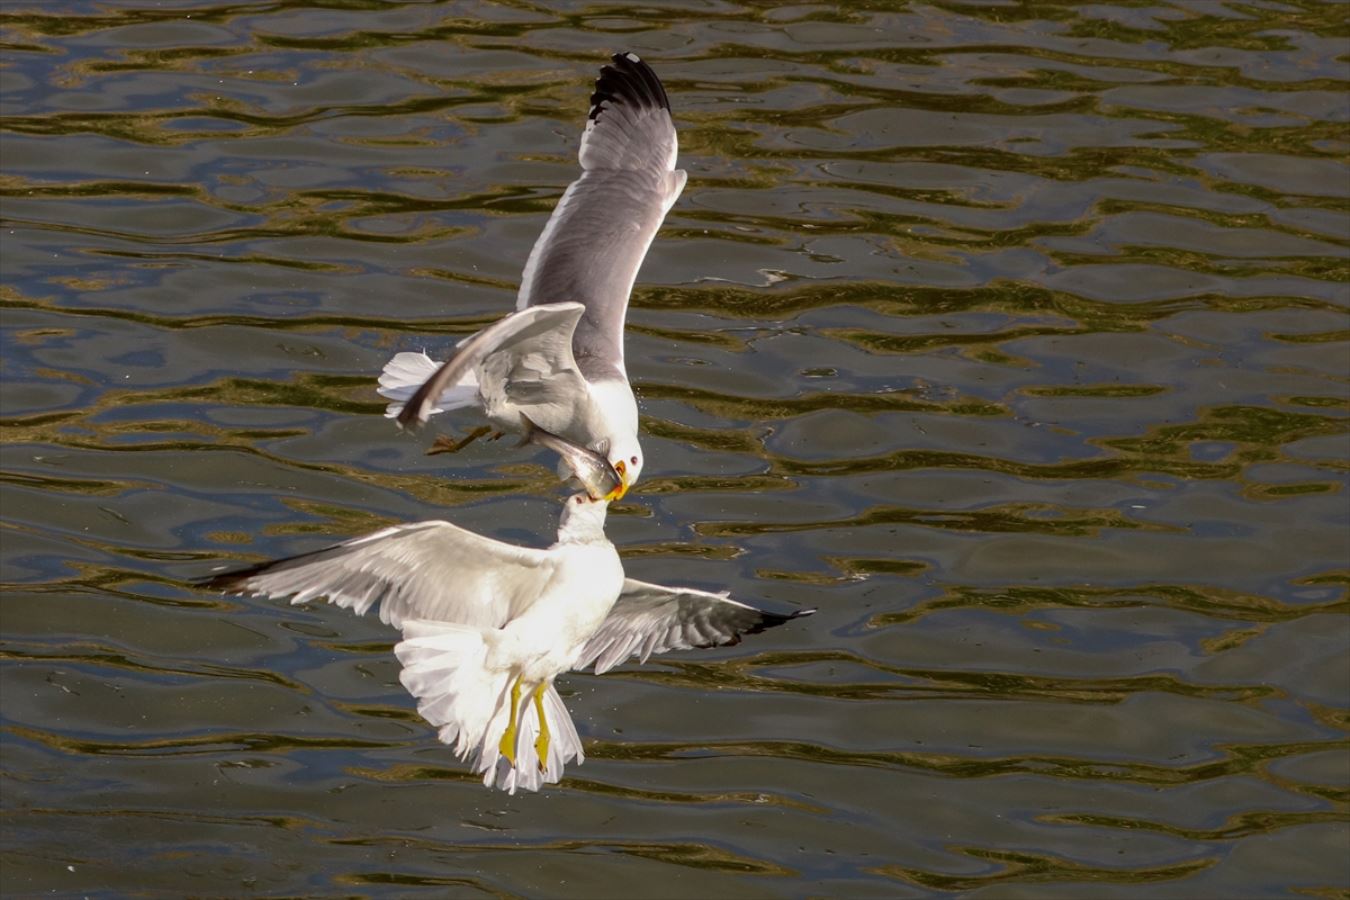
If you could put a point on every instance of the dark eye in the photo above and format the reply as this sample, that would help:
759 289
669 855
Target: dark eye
634 460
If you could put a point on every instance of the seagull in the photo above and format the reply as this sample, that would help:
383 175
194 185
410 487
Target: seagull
487 626
558 359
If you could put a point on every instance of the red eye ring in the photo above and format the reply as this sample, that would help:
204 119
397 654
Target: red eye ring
634 460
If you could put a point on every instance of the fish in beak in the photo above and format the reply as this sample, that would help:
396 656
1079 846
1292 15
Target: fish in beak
600 479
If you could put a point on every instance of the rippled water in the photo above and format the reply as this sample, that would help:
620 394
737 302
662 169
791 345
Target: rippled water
1013 337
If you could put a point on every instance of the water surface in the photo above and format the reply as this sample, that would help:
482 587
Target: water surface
1011 337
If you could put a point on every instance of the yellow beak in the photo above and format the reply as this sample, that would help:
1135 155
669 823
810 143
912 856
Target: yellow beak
622 488
618 492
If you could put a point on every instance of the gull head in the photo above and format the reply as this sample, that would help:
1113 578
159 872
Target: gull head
625 455
583 519
616 427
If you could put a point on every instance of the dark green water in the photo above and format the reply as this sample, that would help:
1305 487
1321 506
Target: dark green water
1012 337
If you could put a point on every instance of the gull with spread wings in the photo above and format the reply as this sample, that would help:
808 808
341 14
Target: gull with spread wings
487 626
558 361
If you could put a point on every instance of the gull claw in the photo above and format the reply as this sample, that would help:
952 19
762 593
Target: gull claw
443 444
541 742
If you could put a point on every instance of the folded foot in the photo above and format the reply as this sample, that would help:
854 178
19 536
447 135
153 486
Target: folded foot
443 444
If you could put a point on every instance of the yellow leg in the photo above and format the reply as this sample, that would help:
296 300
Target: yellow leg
508 744
541 742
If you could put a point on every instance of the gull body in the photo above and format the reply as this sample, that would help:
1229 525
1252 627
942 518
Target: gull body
487 626
559 359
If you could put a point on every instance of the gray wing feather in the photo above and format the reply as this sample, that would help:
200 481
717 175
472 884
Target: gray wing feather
650 618
527 355
426 570
595 241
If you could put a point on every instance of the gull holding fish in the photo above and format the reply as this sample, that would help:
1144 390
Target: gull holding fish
558 360
487 626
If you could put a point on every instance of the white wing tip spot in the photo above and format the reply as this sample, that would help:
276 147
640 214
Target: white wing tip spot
632 57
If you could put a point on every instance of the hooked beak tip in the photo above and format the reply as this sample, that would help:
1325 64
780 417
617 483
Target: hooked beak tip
618 492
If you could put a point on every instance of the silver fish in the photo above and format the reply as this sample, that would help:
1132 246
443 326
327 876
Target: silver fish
595 473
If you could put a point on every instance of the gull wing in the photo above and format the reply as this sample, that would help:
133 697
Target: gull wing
526 356
425 570
598 235
650 618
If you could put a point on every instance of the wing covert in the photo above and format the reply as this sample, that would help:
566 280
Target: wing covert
426 570
651 618
531 346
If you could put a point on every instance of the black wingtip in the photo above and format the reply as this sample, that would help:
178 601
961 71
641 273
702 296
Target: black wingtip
234 581
408 420
628 80
412 416
773 620
230 582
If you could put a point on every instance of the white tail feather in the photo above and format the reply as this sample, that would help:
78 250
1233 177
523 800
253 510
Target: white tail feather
406 372
445 668
564 745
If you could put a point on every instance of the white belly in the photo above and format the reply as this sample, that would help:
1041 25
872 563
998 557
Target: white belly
548 637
